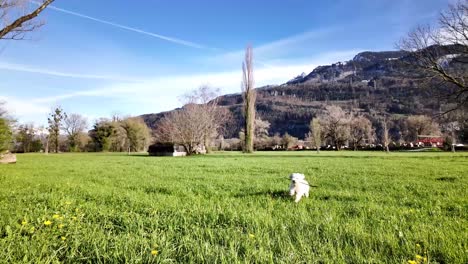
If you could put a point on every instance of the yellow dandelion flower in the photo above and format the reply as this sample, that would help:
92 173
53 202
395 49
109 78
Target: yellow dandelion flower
60 226
154 252
47 223
412 262
418 245
418 257
251 235
63 238
67 203
24 222
55 216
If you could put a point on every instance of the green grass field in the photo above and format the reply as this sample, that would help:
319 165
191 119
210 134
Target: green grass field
228 208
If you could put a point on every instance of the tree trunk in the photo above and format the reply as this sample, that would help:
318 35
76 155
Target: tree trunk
187 149
249 127
318 150
57 143
453 141
207 144
46 151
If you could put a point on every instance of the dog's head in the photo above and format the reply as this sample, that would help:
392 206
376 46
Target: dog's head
296 177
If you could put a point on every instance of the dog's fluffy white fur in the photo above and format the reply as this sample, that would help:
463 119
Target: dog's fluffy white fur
299 186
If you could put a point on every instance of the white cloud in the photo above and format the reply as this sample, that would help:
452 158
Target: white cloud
170 87
275 49
178 84
24 109
40 70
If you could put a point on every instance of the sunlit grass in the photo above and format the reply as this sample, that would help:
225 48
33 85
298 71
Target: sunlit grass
228 207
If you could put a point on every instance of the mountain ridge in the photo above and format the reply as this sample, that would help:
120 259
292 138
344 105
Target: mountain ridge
373 83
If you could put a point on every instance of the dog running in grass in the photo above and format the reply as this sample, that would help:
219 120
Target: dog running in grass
299 186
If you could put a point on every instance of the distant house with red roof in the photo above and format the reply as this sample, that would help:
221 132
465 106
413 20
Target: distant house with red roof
430 141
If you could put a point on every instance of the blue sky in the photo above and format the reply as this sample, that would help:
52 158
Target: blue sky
98 58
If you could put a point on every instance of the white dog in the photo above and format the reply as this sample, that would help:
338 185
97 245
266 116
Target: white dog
299 186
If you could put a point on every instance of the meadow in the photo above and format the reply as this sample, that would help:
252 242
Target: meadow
367 207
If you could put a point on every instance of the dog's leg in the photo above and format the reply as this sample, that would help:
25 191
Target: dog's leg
298 197
306 194
292 190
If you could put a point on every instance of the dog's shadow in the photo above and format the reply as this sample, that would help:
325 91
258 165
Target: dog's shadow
280 195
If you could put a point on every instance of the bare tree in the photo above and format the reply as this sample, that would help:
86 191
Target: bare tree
421 125
288 141
249 96
261 133
433 50
276 141
205 99
360 131
450 129
316 133
16 18
335 123
198 122
74 125
454 127
185 127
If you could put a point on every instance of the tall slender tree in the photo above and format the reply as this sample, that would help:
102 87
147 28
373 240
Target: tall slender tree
55 125
335 125
249 96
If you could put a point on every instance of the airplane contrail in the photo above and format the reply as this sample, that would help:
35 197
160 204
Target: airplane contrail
170 39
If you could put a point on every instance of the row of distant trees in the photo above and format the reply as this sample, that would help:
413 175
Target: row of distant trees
69 133
335 128
200 123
